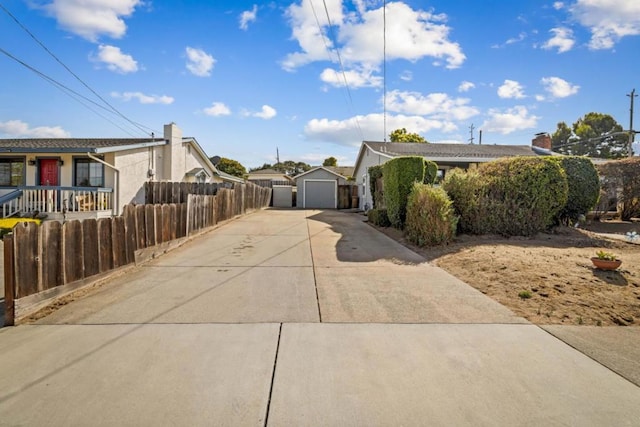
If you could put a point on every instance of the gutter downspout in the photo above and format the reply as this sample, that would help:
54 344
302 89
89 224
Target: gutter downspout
116 191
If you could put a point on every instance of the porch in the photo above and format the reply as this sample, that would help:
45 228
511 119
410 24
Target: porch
57 203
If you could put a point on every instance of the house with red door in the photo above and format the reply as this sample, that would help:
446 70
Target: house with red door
67 178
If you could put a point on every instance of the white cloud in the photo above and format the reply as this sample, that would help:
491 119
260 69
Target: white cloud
20 129
115 60
511 120
266 113
562 40
142 98
406 76
90 19
465 86
199 62
416 35
345 132
512 40
608 20
559 88
217 109
248 16
511 89
558 5
540 98
355 79
435 105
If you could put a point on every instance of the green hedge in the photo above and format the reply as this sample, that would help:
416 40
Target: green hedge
378 217
514 197
430 172
399 174
375 172
431 219
584 187
468 194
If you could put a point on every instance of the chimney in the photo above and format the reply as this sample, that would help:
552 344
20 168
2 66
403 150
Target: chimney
542 140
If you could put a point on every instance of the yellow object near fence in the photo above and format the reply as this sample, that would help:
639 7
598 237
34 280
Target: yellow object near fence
11 222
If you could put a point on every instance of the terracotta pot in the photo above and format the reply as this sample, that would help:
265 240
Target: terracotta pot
605 264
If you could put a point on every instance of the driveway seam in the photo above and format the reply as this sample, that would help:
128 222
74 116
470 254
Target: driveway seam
273 376
313 269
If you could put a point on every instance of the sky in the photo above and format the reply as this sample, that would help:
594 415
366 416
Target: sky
310 79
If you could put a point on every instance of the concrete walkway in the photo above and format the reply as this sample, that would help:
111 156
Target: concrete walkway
289 317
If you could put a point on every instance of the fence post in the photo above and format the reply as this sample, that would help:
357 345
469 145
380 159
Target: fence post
189 198
9 282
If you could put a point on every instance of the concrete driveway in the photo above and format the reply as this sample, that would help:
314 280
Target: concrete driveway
290 317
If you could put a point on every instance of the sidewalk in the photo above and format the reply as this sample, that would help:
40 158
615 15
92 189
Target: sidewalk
298 318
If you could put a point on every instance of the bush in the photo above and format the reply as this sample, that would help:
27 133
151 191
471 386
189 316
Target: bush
513 197
584 187
621 177
467 192
378 217
431 219
375 173
430 172
398 176
524 194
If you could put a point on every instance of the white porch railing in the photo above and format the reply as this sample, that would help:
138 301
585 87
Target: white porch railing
58 200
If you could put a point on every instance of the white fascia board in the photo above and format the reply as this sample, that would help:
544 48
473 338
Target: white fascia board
114 149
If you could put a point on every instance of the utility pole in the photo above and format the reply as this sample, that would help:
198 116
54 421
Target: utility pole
277 156
471 133
480 138
632 133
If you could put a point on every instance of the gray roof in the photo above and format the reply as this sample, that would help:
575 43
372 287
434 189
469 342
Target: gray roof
435 150
345 171
71 144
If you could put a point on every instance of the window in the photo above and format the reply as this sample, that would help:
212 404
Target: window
11 172
88 173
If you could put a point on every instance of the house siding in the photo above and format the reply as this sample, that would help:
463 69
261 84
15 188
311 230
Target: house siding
361 175
317 175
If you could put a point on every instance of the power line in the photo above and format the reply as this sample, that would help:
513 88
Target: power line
69 69
384 68
344 75
66 90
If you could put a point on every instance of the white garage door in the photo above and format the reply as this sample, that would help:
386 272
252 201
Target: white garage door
320 194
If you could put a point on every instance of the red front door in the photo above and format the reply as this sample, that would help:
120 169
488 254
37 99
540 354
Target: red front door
48 172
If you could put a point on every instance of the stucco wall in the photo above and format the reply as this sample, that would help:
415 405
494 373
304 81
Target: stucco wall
133 166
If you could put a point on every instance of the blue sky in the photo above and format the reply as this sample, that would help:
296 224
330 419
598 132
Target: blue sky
245 78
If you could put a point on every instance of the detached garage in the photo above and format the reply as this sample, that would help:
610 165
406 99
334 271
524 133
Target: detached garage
318 188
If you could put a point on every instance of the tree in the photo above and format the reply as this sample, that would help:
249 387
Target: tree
401 135
562 138
593 135
330 161
232 167
288 167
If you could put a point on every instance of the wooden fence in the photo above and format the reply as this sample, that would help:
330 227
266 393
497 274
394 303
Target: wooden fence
176 192
347 196
39 258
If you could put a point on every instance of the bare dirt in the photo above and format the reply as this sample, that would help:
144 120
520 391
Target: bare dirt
554 269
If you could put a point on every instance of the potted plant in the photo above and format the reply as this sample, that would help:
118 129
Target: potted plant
606 260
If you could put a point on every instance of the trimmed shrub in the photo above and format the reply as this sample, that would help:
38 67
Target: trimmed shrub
621 178
431 219
524 194
378 217
584 187
430 172
375 173
468 194
398 177
513 197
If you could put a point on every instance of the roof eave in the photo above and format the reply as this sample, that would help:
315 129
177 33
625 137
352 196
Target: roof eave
116 148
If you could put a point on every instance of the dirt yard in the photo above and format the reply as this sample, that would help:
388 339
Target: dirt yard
550 279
